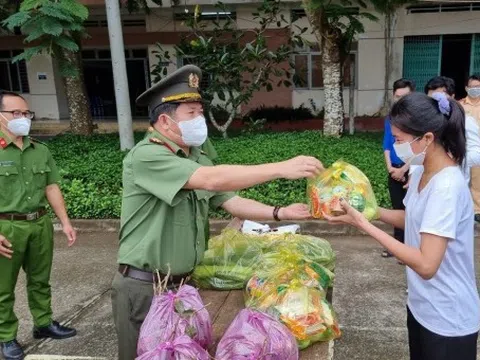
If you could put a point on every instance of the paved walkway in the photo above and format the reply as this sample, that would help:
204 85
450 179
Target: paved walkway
369 297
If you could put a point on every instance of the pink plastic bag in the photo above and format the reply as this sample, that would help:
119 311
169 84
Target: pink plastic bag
172 315
255 335
182 348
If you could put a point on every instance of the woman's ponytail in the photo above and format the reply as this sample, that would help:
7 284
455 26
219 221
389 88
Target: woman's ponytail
453 136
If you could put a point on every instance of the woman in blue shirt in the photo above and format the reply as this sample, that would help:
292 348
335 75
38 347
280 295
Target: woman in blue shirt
397 170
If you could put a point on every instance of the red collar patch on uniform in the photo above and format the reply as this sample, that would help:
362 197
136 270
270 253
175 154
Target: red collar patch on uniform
3 143
160 142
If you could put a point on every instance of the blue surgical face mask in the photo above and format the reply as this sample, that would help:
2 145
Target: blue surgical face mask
474 92
19 127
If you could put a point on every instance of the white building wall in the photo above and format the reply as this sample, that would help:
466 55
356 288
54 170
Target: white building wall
43 99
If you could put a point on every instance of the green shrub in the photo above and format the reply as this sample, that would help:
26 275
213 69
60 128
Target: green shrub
91 167
279 113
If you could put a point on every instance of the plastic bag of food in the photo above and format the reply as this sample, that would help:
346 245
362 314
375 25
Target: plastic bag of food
280 269
181 348
256 335
303 309
229 261
341 180
174 314
311 248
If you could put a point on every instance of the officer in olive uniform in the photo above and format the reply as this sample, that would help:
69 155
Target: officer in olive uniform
28 182
169 184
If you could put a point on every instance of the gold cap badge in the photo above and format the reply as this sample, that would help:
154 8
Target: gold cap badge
193 81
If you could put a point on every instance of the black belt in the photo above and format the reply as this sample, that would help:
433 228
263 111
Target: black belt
151 277
30 217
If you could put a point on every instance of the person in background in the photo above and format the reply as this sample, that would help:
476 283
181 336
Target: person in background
471 104
446 85
397 169
211 153
443 306
29 181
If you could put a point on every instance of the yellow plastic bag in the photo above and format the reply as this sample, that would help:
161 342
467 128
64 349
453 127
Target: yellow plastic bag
341 180
231 259
303 309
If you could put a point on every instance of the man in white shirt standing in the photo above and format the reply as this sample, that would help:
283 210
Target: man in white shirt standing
446 85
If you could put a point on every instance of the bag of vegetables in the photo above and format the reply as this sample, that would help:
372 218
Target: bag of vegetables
229 261
172 315
341 180
311 248
256 335
303 309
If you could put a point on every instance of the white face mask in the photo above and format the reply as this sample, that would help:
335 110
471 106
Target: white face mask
194 132
19 127
473 92
405 153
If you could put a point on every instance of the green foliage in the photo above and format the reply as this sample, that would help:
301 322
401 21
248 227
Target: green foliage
236 62
92 167
276 114
57 27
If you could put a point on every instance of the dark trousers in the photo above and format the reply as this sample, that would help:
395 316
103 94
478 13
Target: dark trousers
426 345
397 194
131 300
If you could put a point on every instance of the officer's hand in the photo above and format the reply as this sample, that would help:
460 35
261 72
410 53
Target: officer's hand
294 212
70 233
5 247
301 167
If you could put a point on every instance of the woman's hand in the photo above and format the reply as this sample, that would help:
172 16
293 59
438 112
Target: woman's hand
351 217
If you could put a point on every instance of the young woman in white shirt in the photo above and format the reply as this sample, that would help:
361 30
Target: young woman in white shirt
443 307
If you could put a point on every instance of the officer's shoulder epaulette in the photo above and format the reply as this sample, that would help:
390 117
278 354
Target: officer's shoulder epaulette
37 141
157 141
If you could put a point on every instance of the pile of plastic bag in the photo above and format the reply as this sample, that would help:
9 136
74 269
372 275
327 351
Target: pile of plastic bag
228 263
177 323
341 180
233 257
293 289
255 335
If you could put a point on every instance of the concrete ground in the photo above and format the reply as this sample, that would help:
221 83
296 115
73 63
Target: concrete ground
369 297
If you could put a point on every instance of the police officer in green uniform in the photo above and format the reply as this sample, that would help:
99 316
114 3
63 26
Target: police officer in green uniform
210 151
28 182
168 186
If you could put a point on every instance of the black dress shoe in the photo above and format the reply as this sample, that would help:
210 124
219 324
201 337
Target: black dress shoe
11 350
54 331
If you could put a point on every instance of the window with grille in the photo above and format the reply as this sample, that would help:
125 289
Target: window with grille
454 6
308 70
422 57
13 76
475 55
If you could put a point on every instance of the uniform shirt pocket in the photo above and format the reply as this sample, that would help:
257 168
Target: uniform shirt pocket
8 178
40 175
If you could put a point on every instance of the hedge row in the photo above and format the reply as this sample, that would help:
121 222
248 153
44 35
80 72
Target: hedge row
91 167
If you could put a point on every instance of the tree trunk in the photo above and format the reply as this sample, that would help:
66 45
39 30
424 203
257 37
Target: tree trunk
389 27
78 106
223 128
332 81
